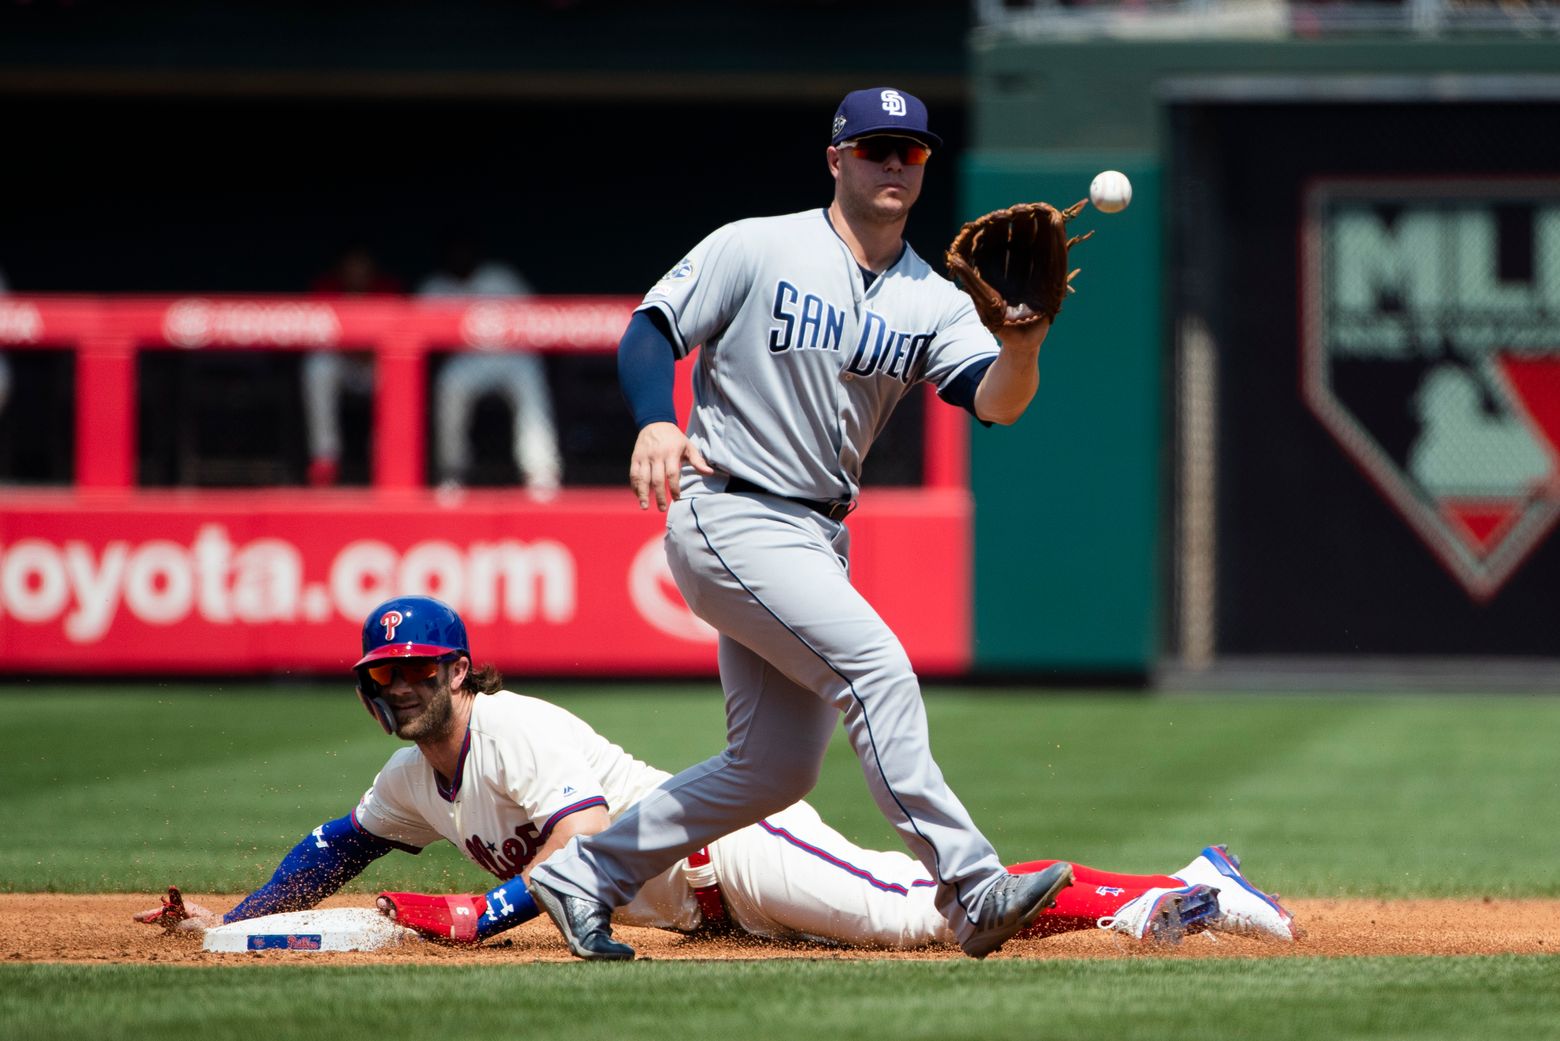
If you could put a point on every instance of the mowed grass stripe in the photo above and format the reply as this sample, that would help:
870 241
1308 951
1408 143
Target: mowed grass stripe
131 788
1426 797
131 782
1139 784
1279 999
1372 795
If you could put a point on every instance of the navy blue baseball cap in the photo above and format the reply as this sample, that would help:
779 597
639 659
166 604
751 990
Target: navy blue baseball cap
881 110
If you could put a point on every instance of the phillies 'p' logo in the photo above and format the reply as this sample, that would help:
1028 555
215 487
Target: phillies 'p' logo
391 619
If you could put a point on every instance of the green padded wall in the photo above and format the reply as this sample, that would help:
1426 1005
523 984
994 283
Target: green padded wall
1067 499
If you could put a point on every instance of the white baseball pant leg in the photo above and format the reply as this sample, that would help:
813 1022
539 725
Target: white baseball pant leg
521 380
321 387
792 876
325 374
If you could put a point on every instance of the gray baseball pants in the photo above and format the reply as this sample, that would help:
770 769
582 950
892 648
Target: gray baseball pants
799 647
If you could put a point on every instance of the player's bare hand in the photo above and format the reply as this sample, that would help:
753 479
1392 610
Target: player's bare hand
177 913
656 467
1025 339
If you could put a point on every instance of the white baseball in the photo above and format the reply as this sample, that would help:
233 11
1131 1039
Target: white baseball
1110 191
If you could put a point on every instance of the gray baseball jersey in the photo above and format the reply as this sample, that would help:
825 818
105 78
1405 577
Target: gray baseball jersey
803 358
811 358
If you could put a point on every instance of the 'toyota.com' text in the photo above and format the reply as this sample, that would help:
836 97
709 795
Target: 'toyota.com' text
162 582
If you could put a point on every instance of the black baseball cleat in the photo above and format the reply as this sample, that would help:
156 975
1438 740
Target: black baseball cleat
1013 904
585 924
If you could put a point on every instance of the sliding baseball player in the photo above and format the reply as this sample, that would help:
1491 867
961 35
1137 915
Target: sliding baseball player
507 779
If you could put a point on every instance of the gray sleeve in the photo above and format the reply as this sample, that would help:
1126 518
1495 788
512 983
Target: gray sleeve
703 291
961 341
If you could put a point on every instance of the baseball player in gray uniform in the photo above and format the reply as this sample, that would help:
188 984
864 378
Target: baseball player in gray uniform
812 327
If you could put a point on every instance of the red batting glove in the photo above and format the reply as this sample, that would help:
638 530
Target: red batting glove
448 919
170 914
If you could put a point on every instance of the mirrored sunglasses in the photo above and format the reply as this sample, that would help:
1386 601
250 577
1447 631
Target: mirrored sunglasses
383 673
877 149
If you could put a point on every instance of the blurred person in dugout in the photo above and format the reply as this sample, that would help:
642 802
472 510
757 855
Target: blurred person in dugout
5 366
518 377
328 374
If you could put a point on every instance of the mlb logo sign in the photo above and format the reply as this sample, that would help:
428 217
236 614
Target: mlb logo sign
1431 352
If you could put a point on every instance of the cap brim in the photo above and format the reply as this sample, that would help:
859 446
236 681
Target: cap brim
897 130
405 650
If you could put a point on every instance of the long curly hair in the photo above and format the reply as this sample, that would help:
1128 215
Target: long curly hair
484 679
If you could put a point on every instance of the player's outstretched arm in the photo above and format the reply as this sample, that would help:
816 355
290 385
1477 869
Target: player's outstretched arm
177 913
328 858
1010 382
465 919
461 919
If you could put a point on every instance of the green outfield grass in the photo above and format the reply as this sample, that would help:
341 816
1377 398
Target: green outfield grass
1273 1000
128 788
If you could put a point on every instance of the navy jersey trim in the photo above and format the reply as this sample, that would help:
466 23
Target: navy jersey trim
452 792
868 276
960 389
572 808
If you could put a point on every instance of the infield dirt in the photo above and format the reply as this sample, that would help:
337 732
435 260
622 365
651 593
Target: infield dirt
53 927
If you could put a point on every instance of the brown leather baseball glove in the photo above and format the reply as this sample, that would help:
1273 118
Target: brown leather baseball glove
1013 263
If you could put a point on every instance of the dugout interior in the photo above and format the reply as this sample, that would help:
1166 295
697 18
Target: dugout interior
257 195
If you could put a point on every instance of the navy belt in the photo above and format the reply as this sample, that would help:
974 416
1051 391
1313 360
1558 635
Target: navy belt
834 509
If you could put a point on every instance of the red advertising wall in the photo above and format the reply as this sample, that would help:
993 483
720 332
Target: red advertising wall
104 577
